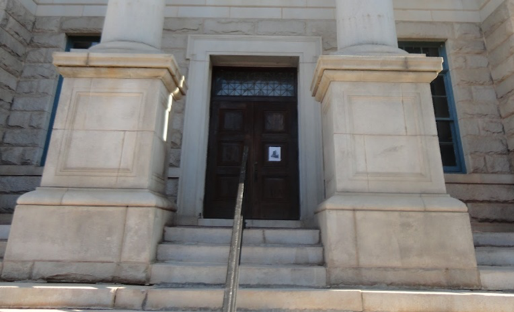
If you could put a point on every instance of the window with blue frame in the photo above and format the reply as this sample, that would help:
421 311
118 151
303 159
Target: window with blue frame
444 106
73 43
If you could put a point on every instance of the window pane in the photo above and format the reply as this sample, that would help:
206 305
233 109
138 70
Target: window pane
444 131
441 108
443 103
266 82
438 87
448 155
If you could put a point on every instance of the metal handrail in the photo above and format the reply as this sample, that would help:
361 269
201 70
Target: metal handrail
232 280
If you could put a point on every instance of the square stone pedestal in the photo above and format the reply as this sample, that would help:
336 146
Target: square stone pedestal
387 219
101 208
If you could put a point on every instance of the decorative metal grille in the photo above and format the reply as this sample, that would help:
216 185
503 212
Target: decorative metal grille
254 82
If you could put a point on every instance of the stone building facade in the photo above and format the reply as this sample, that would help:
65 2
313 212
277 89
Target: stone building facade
476 38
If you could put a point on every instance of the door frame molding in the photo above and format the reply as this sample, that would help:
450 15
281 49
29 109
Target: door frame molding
200 50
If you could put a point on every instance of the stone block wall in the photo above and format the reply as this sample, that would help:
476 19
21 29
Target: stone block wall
498 31
481 129
19 136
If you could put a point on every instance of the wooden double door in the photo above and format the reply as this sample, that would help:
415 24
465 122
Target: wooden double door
269 127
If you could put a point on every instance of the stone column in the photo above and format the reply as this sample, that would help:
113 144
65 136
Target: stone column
387 219
366 27
101 208
132 26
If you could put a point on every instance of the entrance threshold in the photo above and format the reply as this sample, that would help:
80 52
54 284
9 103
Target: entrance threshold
289 224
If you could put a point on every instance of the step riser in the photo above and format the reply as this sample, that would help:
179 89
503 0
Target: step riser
494 239
290 224
494 278
495 256
3 246
215 275
250 236
250 254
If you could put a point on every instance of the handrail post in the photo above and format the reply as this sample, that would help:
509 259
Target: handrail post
232 280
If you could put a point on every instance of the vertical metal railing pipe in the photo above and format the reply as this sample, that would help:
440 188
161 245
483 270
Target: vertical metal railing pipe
232 280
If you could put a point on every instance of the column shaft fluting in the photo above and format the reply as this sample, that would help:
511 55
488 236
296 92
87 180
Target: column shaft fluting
366 23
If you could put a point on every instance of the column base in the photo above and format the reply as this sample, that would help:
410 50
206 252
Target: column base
97 241
399 240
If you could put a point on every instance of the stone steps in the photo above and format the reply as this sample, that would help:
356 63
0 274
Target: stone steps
497 278
4 235
249 275
221 235
151 298
494 239
250 254
271 256
495 257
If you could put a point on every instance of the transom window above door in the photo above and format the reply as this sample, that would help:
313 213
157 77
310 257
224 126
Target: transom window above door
238 81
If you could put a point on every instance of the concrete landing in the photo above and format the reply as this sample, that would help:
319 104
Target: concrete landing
151 298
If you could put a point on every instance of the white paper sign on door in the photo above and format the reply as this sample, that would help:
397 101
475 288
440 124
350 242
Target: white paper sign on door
274 153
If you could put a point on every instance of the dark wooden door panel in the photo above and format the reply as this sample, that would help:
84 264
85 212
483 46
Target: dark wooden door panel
269 127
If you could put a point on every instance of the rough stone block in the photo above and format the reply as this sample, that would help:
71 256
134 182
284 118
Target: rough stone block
16 271
49 40
19 119
466 46
41 55
31 155
476 61
6 96
491 127
19 184
84 24
170 41
495 19
47 24
175 157
39 120
469 126
183 25
467 31
473 77
11 155
25 137
37 86
236 26
487 144
483 93
477 164
28 103
283 27
18 31
17 10
11 44
10 63
496 37
497 164
39 71
7 80
424 30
